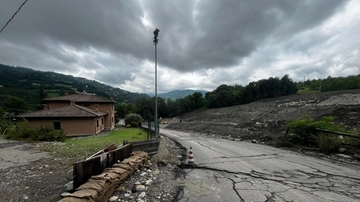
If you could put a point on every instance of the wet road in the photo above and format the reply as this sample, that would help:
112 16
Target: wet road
240 171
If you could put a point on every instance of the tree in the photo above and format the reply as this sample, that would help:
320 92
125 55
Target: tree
173 107
145 107
2 112
287 86
124 108
42 93
14 105
135 120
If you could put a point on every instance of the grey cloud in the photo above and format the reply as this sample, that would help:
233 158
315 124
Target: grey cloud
194 36
231 30
209 34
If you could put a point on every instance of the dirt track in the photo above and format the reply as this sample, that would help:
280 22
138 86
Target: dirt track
28 174
266 119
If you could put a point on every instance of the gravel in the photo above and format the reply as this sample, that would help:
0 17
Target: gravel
157 179
266 120
31 175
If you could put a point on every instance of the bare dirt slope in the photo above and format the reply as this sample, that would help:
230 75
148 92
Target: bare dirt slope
266 119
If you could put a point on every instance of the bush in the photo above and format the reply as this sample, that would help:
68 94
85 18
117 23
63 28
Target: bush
134 124
304 133
328 143
135 120
46 133
5 125
23 131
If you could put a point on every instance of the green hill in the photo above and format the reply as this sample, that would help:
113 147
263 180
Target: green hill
176 94
26 83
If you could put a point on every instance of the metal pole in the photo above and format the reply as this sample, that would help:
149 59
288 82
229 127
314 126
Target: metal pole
156 33
156 110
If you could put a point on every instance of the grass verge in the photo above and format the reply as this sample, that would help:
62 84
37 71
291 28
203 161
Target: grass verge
308 91
76 149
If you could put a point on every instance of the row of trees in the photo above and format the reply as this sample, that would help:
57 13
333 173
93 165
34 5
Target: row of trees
331 84
223 96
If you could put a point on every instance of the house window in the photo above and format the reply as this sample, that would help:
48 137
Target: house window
97 123
102 121
57 125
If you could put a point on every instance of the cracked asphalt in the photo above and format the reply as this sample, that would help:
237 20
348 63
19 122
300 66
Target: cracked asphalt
228 170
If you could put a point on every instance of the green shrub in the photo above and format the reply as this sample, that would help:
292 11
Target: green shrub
135 120
327 123
328 143
128 126
20 131
134 124
47 133
304 130
5 125
23 131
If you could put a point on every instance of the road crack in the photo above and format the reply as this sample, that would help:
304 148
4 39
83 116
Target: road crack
210 148
234 188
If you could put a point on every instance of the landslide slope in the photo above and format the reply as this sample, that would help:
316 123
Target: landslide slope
266 119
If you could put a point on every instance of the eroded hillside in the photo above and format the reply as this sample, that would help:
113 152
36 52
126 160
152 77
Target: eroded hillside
266 119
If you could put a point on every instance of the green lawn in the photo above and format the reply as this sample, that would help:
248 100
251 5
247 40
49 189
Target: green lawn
53 94
77 149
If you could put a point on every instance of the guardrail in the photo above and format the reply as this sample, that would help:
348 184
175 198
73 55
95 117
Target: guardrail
150 146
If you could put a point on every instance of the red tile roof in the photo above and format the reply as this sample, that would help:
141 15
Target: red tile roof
68 111
80 98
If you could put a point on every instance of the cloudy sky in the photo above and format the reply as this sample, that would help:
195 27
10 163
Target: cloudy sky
202 43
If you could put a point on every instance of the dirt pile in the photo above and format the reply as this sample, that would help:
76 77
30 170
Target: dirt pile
266 119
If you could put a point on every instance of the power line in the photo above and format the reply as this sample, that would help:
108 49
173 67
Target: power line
13 16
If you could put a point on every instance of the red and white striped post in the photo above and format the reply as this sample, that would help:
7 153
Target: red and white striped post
190 160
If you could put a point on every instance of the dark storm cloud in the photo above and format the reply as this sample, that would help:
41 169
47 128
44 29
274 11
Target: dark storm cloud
221 33
193 35
111 25
111 41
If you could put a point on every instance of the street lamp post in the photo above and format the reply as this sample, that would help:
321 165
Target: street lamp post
156 34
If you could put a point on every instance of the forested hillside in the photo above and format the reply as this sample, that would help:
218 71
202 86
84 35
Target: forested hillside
31 85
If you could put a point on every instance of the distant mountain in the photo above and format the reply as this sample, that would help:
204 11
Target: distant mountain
25 83
176 94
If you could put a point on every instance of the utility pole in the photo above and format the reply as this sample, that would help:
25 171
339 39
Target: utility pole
156 34
304 83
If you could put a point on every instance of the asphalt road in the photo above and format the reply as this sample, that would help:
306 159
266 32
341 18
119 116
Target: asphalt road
240 171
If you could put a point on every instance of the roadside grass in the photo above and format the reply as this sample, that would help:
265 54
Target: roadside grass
307 91
76 149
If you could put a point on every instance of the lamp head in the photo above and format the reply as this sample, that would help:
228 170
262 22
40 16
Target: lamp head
156 32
